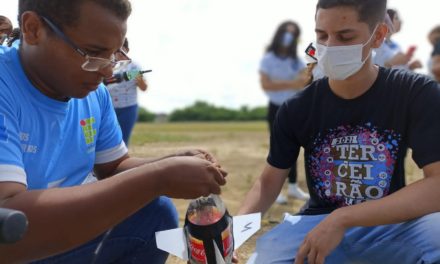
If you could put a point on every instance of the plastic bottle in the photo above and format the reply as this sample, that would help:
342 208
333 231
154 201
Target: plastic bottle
207 223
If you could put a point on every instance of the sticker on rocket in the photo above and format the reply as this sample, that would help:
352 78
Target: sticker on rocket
350 165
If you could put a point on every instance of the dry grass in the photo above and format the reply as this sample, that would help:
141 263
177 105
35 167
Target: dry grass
241 148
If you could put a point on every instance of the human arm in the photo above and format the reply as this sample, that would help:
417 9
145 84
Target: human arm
398 59
414 65
299 82
141 83
264 191
127 162
415 200
62 218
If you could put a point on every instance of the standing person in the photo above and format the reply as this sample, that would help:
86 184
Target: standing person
282 75
355 138
57 124
399 59
124 95
434 60
5 29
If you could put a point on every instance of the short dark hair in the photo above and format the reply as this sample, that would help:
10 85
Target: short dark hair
66 12
275 45
392 13
5 20
371 12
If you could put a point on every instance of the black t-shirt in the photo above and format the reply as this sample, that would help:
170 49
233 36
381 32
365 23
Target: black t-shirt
355 149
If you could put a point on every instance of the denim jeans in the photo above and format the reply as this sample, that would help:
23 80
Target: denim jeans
132 241
127 117
412 242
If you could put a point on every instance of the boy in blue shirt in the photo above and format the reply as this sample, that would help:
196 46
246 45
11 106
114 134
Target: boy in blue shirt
57 124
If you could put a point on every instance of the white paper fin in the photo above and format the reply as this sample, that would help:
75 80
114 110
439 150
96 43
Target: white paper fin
218 255
173 241
244 227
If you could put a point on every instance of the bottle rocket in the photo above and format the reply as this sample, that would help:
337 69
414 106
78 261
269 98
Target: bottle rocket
208 230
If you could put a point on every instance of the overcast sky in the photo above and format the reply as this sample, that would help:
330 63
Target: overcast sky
210 50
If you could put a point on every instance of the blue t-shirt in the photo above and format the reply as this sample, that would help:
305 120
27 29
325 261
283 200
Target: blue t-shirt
47 143
280 69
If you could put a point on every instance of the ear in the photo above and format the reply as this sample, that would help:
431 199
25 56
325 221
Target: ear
32 28
380 35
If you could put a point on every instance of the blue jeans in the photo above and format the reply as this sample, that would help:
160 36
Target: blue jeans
127 117
412 242
132 241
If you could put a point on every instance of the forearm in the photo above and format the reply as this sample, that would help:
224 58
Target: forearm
134 162
413 201
282 85
63 218
264 191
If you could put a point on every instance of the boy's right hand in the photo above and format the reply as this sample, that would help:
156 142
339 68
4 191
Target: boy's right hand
189 177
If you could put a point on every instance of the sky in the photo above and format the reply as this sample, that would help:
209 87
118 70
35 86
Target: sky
210 50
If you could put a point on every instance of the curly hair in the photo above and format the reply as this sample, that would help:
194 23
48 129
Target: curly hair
66 12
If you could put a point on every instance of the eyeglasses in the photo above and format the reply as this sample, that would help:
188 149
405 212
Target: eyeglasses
92 64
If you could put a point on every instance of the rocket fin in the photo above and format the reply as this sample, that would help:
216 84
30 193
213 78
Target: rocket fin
244 227
173 241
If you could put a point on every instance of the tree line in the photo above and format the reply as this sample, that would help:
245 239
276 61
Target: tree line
203 112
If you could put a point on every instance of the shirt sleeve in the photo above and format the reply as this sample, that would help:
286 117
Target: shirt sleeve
265 64
424 125
109 145
284 147
11 162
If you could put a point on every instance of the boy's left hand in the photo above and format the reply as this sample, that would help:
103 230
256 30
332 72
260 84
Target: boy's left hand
321 241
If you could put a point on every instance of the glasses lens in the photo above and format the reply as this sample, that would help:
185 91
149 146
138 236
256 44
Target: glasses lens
95 64
120 64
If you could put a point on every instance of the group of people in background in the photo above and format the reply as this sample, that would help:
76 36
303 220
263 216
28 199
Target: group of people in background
283 72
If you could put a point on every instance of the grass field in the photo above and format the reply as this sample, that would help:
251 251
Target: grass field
241 148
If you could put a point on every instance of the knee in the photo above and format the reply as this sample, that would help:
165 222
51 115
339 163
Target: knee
431 227
165 212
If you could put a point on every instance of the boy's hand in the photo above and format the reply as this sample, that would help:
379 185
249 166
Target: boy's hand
189 177
198 153
321 241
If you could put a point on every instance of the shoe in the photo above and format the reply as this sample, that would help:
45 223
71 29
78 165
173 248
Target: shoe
296 192
281 199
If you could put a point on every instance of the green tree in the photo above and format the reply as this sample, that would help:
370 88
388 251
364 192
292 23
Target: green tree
145 116
202 111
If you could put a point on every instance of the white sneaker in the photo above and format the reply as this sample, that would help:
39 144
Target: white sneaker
296 192
281 199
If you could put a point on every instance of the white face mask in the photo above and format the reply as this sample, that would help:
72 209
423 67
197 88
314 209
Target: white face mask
341 62
287 39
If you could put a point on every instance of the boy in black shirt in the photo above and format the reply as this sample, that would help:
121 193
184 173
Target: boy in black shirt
355 127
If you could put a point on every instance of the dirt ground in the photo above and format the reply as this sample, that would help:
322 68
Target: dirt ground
241 148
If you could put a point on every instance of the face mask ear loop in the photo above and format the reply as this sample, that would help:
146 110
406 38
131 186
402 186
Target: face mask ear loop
368 41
